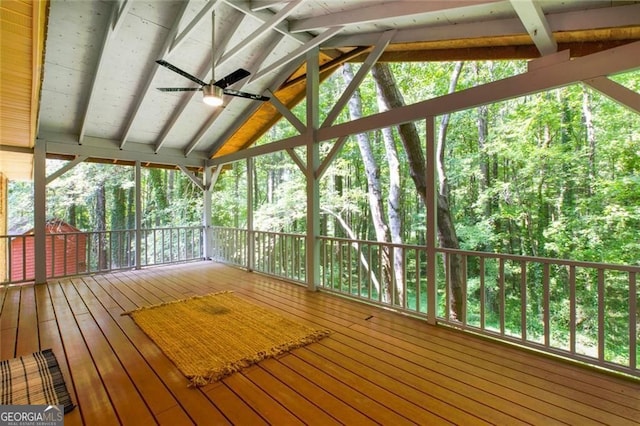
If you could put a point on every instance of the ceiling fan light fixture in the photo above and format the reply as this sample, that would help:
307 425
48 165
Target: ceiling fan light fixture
212 95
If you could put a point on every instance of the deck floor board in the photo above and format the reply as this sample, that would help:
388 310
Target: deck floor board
377 367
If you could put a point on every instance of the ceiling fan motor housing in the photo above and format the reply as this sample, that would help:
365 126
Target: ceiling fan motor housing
212 95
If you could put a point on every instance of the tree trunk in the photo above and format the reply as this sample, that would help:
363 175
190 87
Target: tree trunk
591 138
101 225
413 147
393 204
373 184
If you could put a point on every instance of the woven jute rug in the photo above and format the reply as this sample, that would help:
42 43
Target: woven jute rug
210 337
33 379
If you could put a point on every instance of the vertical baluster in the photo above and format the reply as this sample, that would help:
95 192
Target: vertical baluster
110 251
523 300
89 250
546 303
447 285
323 263
370 272
482 293
572 309
380 272
601 311
465 296
53 255
64 257
179 245
350 268
633 318
418 280
502 294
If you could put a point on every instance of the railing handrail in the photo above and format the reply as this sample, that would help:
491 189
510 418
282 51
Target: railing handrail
83 252
526 304
494 255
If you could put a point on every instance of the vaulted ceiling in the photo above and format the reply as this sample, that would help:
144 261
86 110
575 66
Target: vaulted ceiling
99 97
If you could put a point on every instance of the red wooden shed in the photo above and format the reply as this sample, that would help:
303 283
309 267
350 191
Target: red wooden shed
66 252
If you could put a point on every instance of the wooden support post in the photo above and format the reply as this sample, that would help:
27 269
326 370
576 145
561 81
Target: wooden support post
40 210
251 241
313 164
138 190
432 221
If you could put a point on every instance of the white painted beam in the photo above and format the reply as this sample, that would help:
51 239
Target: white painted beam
64 169
261 31
545 61
264 4
335 149
195 179
149 77
616 92
372 58
296 159
223 41
264 15
206 213
180 38
532 17
139 213
313 162
280 145
618 59
286 113
118 13
66 144
40 210
302 50
380 12
610 17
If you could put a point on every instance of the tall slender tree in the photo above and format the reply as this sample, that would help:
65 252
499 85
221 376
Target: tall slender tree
374 191
391 96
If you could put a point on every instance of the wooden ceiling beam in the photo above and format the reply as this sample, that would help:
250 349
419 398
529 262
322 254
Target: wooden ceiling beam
534 21
577 49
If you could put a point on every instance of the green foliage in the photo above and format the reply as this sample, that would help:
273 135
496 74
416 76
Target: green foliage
557 174
169 198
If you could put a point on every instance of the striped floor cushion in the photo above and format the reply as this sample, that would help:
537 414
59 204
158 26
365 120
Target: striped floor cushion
33 379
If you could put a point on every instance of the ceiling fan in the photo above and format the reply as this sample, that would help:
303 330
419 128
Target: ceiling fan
212 92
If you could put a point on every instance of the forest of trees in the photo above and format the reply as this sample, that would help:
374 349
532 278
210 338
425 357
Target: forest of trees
101 197
554 174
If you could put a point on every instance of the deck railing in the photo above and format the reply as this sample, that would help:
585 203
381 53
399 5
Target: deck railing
272 253
581 310
77 253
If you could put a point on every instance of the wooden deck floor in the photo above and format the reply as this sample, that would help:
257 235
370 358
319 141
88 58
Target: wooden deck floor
377 367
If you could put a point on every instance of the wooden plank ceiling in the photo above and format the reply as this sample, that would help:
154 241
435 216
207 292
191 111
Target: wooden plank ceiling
22 26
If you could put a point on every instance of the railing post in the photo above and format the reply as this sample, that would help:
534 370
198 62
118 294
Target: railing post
432 217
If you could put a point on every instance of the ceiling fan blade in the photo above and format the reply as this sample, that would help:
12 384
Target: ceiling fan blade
179 71
245 95
235 76
180 89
